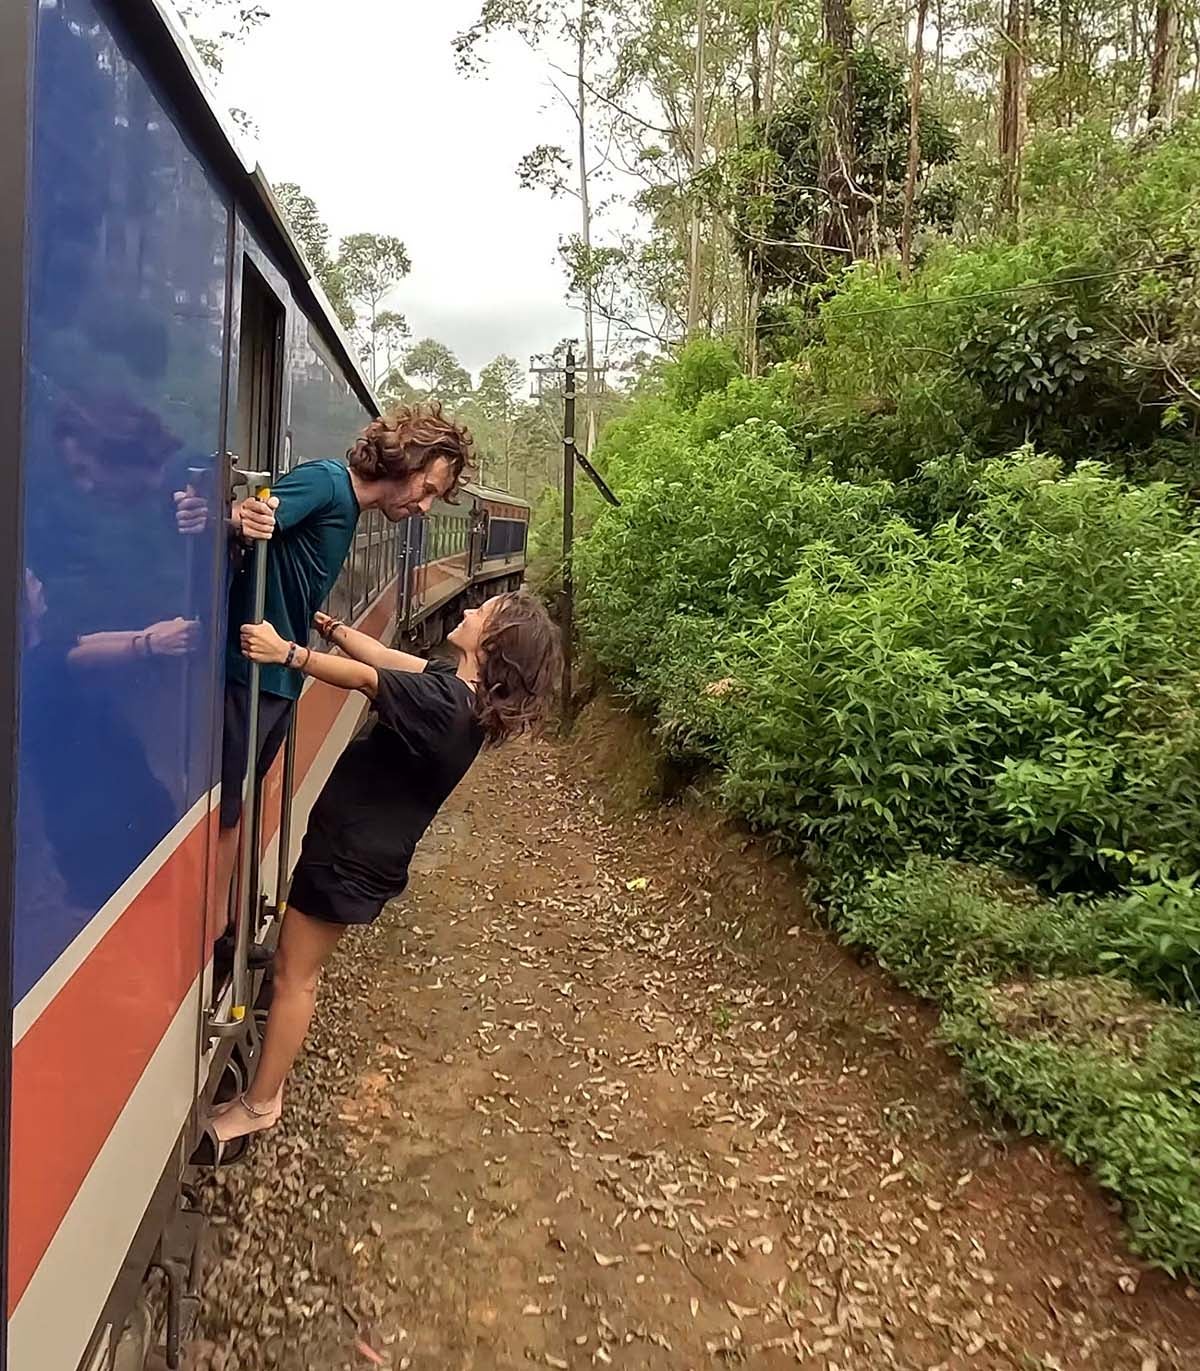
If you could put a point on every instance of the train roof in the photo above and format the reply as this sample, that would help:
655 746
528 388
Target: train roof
158 23
159 26
491 493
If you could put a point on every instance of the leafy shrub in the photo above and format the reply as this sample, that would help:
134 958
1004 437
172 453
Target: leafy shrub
1113 1079
1153 938
705 365
1031 361
1014 682
921 657
941 926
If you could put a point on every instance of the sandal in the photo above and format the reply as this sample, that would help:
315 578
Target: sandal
215 1152
228 1151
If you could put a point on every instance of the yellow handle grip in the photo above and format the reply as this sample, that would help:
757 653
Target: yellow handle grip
263 493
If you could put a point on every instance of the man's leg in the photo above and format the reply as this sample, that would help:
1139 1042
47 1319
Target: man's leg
227 852
275 714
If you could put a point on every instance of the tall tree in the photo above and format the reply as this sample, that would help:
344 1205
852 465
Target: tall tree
313 234
1013 96
576 27
391 329
914 136
371 265
1164 63
434 364
498 396
698 132
838 182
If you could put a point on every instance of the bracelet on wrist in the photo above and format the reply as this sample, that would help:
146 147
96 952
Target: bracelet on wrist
290 659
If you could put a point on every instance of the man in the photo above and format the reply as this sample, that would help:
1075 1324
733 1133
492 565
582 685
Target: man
398 465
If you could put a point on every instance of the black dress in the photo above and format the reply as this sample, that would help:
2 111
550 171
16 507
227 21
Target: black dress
383 794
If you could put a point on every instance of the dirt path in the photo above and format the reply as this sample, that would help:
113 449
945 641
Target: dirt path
599 1093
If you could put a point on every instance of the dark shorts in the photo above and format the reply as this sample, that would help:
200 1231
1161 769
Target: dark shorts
322 892
274 715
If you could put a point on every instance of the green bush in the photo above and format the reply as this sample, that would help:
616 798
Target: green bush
926 598
941 927
1152 936
1113 1079
1014 681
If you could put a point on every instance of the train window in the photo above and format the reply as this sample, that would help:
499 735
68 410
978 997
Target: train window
376 553
260 347
358 573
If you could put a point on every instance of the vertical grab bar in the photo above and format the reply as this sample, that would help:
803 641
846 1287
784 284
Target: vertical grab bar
247 897
248 863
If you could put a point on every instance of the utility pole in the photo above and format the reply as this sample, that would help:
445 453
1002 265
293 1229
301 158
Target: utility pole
571 456
568 530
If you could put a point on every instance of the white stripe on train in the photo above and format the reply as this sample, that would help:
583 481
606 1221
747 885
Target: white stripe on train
89 937
58 1312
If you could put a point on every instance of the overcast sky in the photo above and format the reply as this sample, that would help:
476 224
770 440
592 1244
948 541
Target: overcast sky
359 103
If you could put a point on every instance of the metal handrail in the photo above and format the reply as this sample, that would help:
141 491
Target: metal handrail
247 896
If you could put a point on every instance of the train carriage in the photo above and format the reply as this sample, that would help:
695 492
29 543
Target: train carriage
155 315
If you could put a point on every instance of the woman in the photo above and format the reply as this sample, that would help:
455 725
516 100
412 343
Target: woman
431 720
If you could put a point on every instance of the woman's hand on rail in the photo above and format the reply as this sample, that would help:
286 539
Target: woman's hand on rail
172 638
261 643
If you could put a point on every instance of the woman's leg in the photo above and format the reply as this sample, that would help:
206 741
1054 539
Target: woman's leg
304 947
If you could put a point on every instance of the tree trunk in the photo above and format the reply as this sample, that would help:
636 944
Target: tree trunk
773 58
753 253
1135 56
694 265
914 138
1164 64
941 40
1066 64
374 346
842 211
1012 104
585 204
755 69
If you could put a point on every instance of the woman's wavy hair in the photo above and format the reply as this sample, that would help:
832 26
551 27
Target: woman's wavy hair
520 659
408 440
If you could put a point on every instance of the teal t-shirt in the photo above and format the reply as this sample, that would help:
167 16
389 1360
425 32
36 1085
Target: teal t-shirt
314 528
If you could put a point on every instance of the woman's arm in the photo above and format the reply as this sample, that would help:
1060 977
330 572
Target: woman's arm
363 648
262 644
170 638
